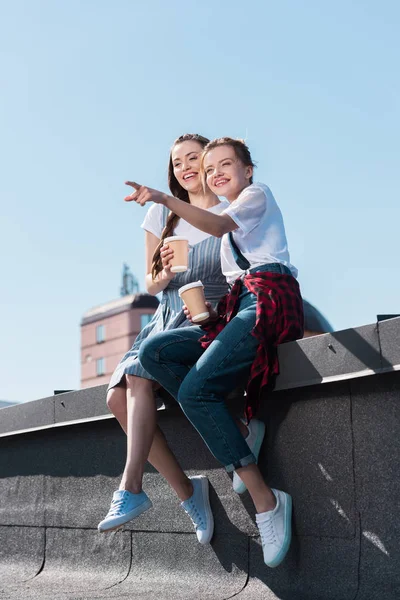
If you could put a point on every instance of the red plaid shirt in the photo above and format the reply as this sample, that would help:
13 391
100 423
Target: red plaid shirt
279 319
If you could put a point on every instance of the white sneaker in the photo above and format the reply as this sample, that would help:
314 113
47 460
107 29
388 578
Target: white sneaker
199 510
254 441
275 528
125 506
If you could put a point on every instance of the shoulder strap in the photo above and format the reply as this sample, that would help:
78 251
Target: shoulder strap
165 213
241 260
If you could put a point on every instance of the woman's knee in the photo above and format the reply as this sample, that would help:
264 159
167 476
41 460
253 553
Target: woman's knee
116 399
189 389
148 350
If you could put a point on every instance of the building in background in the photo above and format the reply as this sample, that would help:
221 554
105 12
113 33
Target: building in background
109 330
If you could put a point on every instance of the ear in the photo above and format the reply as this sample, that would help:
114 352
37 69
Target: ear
249 172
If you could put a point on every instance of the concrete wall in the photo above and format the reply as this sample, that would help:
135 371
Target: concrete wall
333 444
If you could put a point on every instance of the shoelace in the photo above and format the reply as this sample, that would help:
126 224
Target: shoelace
116 507
267 531
195 516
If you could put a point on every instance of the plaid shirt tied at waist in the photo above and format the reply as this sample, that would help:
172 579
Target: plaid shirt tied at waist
279 319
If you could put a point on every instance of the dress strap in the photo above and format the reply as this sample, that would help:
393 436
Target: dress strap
164 215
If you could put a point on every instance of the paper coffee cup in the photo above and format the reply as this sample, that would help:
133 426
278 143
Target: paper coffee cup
192 295
180 246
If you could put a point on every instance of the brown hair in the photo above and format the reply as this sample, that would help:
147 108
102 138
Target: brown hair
178 192
239 146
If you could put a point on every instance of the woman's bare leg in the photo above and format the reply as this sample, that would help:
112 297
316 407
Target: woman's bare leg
259 491
116 402
163 459
127 406
141 424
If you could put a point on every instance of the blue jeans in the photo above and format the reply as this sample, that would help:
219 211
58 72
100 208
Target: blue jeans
200 379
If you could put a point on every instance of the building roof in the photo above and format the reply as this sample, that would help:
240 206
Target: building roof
119 305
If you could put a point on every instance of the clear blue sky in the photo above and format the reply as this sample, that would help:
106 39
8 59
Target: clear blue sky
93 92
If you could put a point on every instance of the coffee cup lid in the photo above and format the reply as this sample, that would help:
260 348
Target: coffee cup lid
189 286
175 238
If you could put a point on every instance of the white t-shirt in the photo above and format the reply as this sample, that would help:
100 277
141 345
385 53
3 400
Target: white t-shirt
154 223
260 235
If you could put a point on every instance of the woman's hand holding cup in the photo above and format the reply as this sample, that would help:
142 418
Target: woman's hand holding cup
167 254
213 314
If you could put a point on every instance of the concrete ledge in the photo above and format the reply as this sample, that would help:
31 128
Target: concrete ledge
347 354
331 357
334 447
82 404
389 337
30 415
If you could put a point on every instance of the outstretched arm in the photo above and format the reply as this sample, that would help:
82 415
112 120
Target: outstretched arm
204 220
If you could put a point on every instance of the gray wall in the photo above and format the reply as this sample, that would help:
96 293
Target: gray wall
334 446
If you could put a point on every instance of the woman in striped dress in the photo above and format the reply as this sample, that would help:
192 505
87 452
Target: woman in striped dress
131 392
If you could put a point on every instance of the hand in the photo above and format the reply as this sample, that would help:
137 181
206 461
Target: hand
167 254
144 194
213 314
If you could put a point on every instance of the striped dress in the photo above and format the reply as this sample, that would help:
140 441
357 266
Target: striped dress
204 264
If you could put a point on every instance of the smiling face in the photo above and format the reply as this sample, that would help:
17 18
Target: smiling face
225 173
185 159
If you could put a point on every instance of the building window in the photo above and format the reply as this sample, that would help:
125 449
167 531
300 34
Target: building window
100 334
144 319
100 367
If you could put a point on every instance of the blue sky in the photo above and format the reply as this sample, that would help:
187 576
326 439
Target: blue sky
93 93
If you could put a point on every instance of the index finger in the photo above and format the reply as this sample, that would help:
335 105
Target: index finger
133 184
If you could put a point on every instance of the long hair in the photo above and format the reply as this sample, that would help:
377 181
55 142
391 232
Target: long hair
240 148
178 192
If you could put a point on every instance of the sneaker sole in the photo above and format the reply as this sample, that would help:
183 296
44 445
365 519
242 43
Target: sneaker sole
116 528
241 488
210 518
121 521
288 537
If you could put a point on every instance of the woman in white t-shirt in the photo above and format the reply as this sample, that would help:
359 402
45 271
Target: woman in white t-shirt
201 365
131 392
